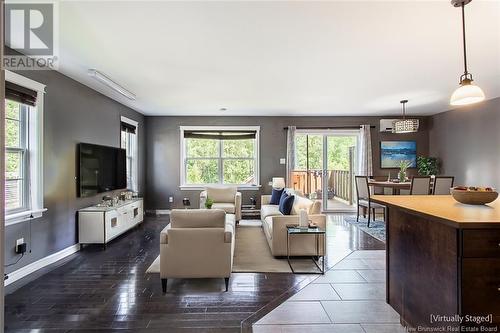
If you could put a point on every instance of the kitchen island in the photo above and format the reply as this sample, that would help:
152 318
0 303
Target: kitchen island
443 260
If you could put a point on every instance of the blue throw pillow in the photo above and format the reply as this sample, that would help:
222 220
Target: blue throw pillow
284 195
286 205
276 196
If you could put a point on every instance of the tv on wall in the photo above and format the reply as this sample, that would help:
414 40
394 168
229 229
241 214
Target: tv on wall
101 169
392 153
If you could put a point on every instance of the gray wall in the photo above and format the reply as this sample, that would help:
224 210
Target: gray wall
73 113
467 140
163 150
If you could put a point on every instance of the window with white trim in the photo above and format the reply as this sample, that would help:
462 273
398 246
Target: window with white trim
16 157
129 142
23 148
220 155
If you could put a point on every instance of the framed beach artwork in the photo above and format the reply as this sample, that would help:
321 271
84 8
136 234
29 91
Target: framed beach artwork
392 153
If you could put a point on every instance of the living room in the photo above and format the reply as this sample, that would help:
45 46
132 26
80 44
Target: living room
228 118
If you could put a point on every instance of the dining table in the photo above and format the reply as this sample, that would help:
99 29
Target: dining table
395 186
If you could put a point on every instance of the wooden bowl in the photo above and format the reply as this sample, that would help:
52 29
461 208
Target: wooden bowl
474 197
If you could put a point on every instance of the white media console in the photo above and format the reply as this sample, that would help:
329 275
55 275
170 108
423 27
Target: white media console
99 225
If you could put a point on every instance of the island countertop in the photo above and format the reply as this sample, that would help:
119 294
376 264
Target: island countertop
445 209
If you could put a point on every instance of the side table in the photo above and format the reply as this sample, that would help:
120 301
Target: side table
292 230
250 212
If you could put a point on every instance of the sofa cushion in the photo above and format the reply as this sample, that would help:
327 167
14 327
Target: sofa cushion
198 218
315 208
269 210
268 227
301 203
230 221
229 230
276 196
222 193
227 207
286 205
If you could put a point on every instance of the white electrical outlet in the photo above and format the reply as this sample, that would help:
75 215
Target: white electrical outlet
282 160
170 199
19 241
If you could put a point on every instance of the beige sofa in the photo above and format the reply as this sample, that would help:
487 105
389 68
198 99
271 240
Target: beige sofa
226 198
198 243
274 224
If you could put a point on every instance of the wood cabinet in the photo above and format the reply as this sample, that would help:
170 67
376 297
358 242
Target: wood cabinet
443 258
99 225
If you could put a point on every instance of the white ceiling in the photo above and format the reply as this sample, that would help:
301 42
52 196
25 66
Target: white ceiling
281 58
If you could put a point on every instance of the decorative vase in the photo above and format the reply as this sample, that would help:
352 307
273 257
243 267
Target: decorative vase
186 202
402 176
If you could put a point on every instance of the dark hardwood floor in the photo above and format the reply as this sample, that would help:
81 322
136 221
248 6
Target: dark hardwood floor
104 291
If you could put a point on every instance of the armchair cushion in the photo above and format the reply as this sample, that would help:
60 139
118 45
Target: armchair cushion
198 218
227 207
164 234
225 194
276 196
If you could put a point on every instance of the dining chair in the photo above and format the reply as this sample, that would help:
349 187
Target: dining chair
420 185
364 200
442 185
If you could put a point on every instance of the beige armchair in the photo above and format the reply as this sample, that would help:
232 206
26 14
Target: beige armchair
198 243
226 198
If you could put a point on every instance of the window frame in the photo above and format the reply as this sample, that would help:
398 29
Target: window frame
23 148
135 151
34 171
220 158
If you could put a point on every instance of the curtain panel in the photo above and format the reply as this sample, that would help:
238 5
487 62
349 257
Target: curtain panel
366 157
290 155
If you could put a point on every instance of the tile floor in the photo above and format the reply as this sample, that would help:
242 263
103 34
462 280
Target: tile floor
348 298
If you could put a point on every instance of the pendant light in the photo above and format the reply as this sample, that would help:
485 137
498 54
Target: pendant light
467 93
405 125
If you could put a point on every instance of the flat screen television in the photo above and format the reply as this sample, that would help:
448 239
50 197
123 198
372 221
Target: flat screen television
101 169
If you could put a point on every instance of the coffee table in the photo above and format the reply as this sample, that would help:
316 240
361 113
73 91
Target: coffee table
292 230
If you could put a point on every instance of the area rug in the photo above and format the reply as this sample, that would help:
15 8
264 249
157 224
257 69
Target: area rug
252 253
376 229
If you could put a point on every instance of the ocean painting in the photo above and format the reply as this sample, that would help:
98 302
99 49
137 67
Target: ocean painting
393 152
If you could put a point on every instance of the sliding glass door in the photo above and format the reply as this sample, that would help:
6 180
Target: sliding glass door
325 166
308 171
340 152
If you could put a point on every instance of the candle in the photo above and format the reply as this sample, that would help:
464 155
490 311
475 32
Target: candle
303 218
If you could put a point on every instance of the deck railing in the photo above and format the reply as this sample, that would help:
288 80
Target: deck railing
338 183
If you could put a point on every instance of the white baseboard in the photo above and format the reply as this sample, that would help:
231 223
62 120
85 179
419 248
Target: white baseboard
159 211
34 266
